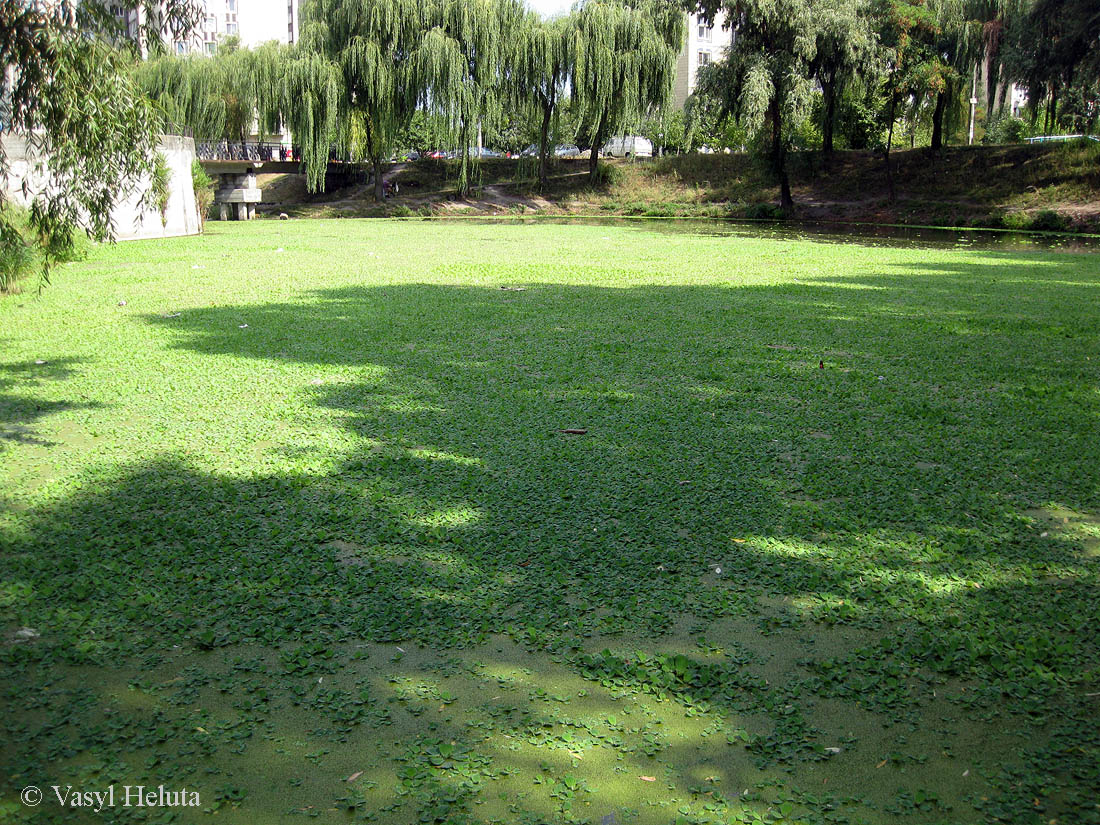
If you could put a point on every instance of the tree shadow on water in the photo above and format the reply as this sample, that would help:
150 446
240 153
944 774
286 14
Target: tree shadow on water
888 492
18 412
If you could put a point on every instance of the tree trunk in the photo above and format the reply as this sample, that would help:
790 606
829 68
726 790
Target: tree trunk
464 163
786 202
594 154
779 157
777 134
937 120
379 183
544 148
828 91
889 143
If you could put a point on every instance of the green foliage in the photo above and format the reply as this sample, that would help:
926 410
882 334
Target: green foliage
667 131
1047 220
71 96
764 212
1050 46
1006 129
21 254
203 186
767 79
624 64
221 97
17 255
300 548
540 65
846 49
1043 220
160 186
858 123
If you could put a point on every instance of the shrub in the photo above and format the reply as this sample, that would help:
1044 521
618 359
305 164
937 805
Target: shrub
608 174
1006 129
1015 220
1047 220
17 258
20 254
764 212
203 185
161 186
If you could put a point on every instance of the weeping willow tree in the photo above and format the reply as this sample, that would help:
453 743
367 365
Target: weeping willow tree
625 58
466 65
959 43
361 70
312 92
228 96
539 68
769 70
68 91
846 49
186 91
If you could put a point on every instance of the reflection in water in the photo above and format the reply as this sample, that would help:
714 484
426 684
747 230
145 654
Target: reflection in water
826 232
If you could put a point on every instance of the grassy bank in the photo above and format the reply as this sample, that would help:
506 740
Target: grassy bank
298 527
1044 187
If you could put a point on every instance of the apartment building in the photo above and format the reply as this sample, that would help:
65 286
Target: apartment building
253 21
703 44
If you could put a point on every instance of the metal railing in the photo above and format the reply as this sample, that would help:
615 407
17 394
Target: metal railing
258 151
1059 138
247 150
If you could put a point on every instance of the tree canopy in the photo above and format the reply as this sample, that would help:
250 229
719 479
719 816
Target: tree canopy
71 96
625 60
769 69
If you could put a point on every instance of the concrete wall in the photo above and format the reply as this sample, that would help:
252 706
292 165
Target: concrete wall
181 217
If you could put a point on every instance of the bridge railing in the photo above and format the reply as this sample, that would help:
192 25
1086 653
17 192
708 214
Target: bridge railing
248 150
257 150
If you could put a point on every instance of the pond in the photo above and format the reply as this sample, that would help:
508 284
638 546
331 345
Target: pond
828 232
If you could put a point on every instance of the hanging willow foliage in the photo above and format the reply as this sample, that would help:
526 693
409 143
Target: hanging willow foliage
625 63
467 48
312 90
228 96
769 68
537 73
187 92
387 60
363 68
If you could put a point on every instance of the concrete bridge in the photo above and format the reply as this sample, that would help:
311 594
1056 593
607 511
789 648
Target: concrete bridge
237 194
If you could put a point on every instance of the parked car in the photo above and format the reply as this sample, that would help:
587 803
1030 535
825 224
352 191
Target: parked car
437 155
630 146
568 151
531 151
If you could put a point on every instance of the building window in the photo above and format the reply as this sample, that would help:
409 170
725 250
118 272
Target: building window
230 28
704 58
181 47
211 48
706 30
231 5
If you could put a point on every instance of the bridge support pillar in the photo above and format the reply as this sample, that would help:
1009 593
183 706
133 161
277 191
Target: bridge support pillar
236 187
